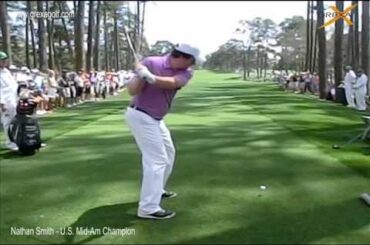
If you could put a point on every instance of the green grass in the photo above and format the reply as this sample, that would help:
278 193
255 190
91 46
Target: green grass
231 137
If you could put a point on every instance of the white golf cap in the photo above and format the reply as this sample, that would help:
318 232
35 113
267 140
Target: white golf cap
188 49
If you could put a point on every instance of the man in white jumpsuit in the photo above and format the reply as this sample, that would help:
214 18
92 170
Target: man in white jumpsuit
8 99
360 89
349 81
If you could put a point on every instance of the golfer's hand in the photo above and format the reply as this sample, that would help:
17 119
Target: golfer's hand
144 73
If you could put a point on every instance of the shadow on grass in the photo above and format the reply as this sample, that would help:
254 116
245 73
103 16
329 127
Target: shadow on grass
118 216
234 78
295 228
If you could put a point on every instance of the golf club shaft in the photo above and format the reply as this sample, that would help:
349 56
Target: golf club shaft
131 46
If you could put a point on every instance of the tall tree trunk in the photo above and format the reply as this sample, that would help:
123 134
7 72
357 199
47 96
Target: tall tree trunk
356 45
248 60
322 48
28 61
75 6
60 51
258 61
62 5
111 50
5 30
97 32
349 60
115 35
314 43
315 52
308 36
311 36
105 37
55 52
365 38
338 57
90 35
262 67
34 51
50 27
42 39
79 36
244 65
265 65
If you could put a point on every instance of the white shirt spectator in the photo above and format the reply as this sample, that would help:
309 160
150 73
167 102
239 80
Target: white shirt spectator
8 88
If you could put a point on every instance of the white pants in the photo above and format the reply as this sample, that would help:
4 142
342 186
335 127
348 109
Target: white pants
6 118
360 95
349 94
158 156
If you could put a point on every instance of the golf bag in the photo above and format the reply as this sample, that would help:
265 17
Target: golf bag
26 107
24 130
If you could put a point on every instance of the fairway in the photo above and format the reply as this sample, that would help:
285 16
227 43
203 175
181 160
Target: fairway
231 137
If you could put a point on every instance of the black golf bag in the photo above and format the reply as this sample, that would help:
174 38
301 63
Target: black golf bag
24 130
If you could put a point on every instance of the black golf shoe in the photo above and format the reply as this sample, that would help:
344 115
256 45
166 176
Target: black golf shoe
169 194
161 214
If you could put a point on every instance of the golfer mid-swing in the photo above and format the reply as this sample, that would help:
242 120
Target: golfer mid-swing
156 83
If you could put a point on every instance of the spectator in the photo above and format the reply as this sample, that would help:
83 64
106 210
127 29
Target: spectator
300 84
308 82
315 82
71 76
37 86
79 86
93 80
115 83
8 99
349 81
87 86
65 91
52 89
360 89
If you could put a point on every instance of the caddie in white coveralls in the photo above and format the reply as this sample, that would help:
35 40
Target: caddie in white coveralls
349 81
360 89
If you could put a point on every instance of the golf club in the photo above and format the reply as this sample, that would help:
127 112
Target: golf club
347 143
130 44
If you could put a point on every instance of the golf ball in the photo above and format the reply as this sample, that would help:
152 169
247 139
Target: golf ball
263 187
335 146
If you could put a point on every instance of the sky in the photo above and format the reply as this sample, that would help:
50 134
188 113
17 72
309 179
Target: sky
207 25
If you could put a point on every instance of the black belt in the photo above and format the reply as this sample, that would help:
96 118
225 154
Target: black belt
144 111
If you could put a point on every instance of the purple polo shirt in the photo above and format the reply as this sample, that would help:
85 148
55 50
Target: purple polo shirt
154 100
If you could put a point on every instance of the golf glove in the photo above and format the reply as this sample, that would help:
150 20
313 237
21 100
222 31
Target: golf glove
145 74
